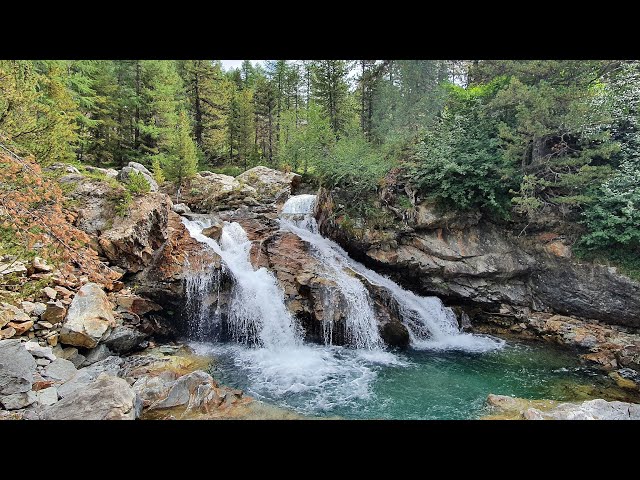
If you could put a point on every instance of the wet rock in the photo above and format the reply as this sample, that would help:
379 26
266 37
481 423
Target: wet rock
590 410
105 398
124 340
16 401
17 368
97 354
214 231
47 396
60 370
395 334
89 319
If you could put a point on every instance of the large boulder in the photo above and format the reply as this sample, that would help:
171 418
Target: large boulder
124 340
89 319
210 192
106 398
111 365
271 185
132 241
17 368
192 388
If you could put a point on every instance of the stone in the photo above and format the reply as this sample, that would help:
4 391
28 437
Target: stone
97 354
180 208
48 396
183 389
395 334
17 268
136 304
50 292
84 376
45 325
63 167
598 409
105 398
16 401
53 339
151 389
54 313
60 370
89 319
7 333
214 231
124 339
43 362
10 313
270 184
20 328
28 307
40 352
17 367
39 309
65 292
40 265
108 172
623 382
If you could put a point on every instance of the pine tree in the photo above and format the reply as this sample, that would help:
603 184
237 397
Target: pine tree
330 89
181 162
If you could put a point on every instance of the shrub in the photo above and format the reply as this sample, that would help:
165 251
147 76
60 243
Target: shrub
137 184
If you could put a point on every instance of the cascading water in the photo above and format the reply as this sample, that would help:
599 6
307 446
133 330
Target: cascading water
279 367
431 325
257 314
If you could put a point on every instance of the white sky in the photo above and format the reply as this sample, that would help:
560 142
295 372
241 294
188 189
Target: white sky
229 64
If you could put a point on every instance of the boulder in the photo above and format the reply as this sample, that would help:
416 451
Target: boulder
17 268
16 401
41 265
97 354
598 409
20 328
214 231
17 368
214 192
132 241
105 398
271 185
108 172
89 319
151 389
39 352
136 304
124 340
47 396
183 389
110 365
60 370
10 313
180 208
54 312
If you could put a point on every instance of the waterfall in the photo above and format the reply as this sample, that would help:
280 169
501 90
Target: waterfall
430 323
257 314
202 307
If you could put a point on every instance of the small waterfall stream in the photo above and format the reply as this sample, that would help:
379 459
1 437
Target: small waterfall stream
269 352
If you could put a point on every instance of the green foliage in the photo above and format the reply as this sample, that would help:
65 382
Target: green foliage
137 184
123 204
181 163
230 170
158 173
459 161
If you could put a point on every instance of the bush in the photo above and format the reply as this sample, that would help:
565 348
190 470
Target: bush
158 173
137 184
123 204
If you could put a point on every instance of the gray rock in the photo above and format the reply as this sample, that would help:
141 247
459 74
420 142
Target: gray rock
43 362
590 410
28 307
64 167
183 388
54 312
16 401
151 389
48 396
180 208
124 339
60 370
96 354
10 313
139 167
84 376
17 368
89 319
13 267
109 172
39 352
41 265
105 398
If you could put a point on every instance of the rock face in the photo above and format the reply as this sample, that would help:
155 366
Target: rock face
470 262
17 368
106 398
89 319
271 185
132 240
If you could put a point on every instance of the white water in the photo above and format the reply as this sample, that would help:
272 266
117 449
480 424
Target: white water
279 365
257 314
431 324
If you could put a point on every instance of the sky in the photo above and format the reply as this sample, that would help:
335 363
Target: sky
229 64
